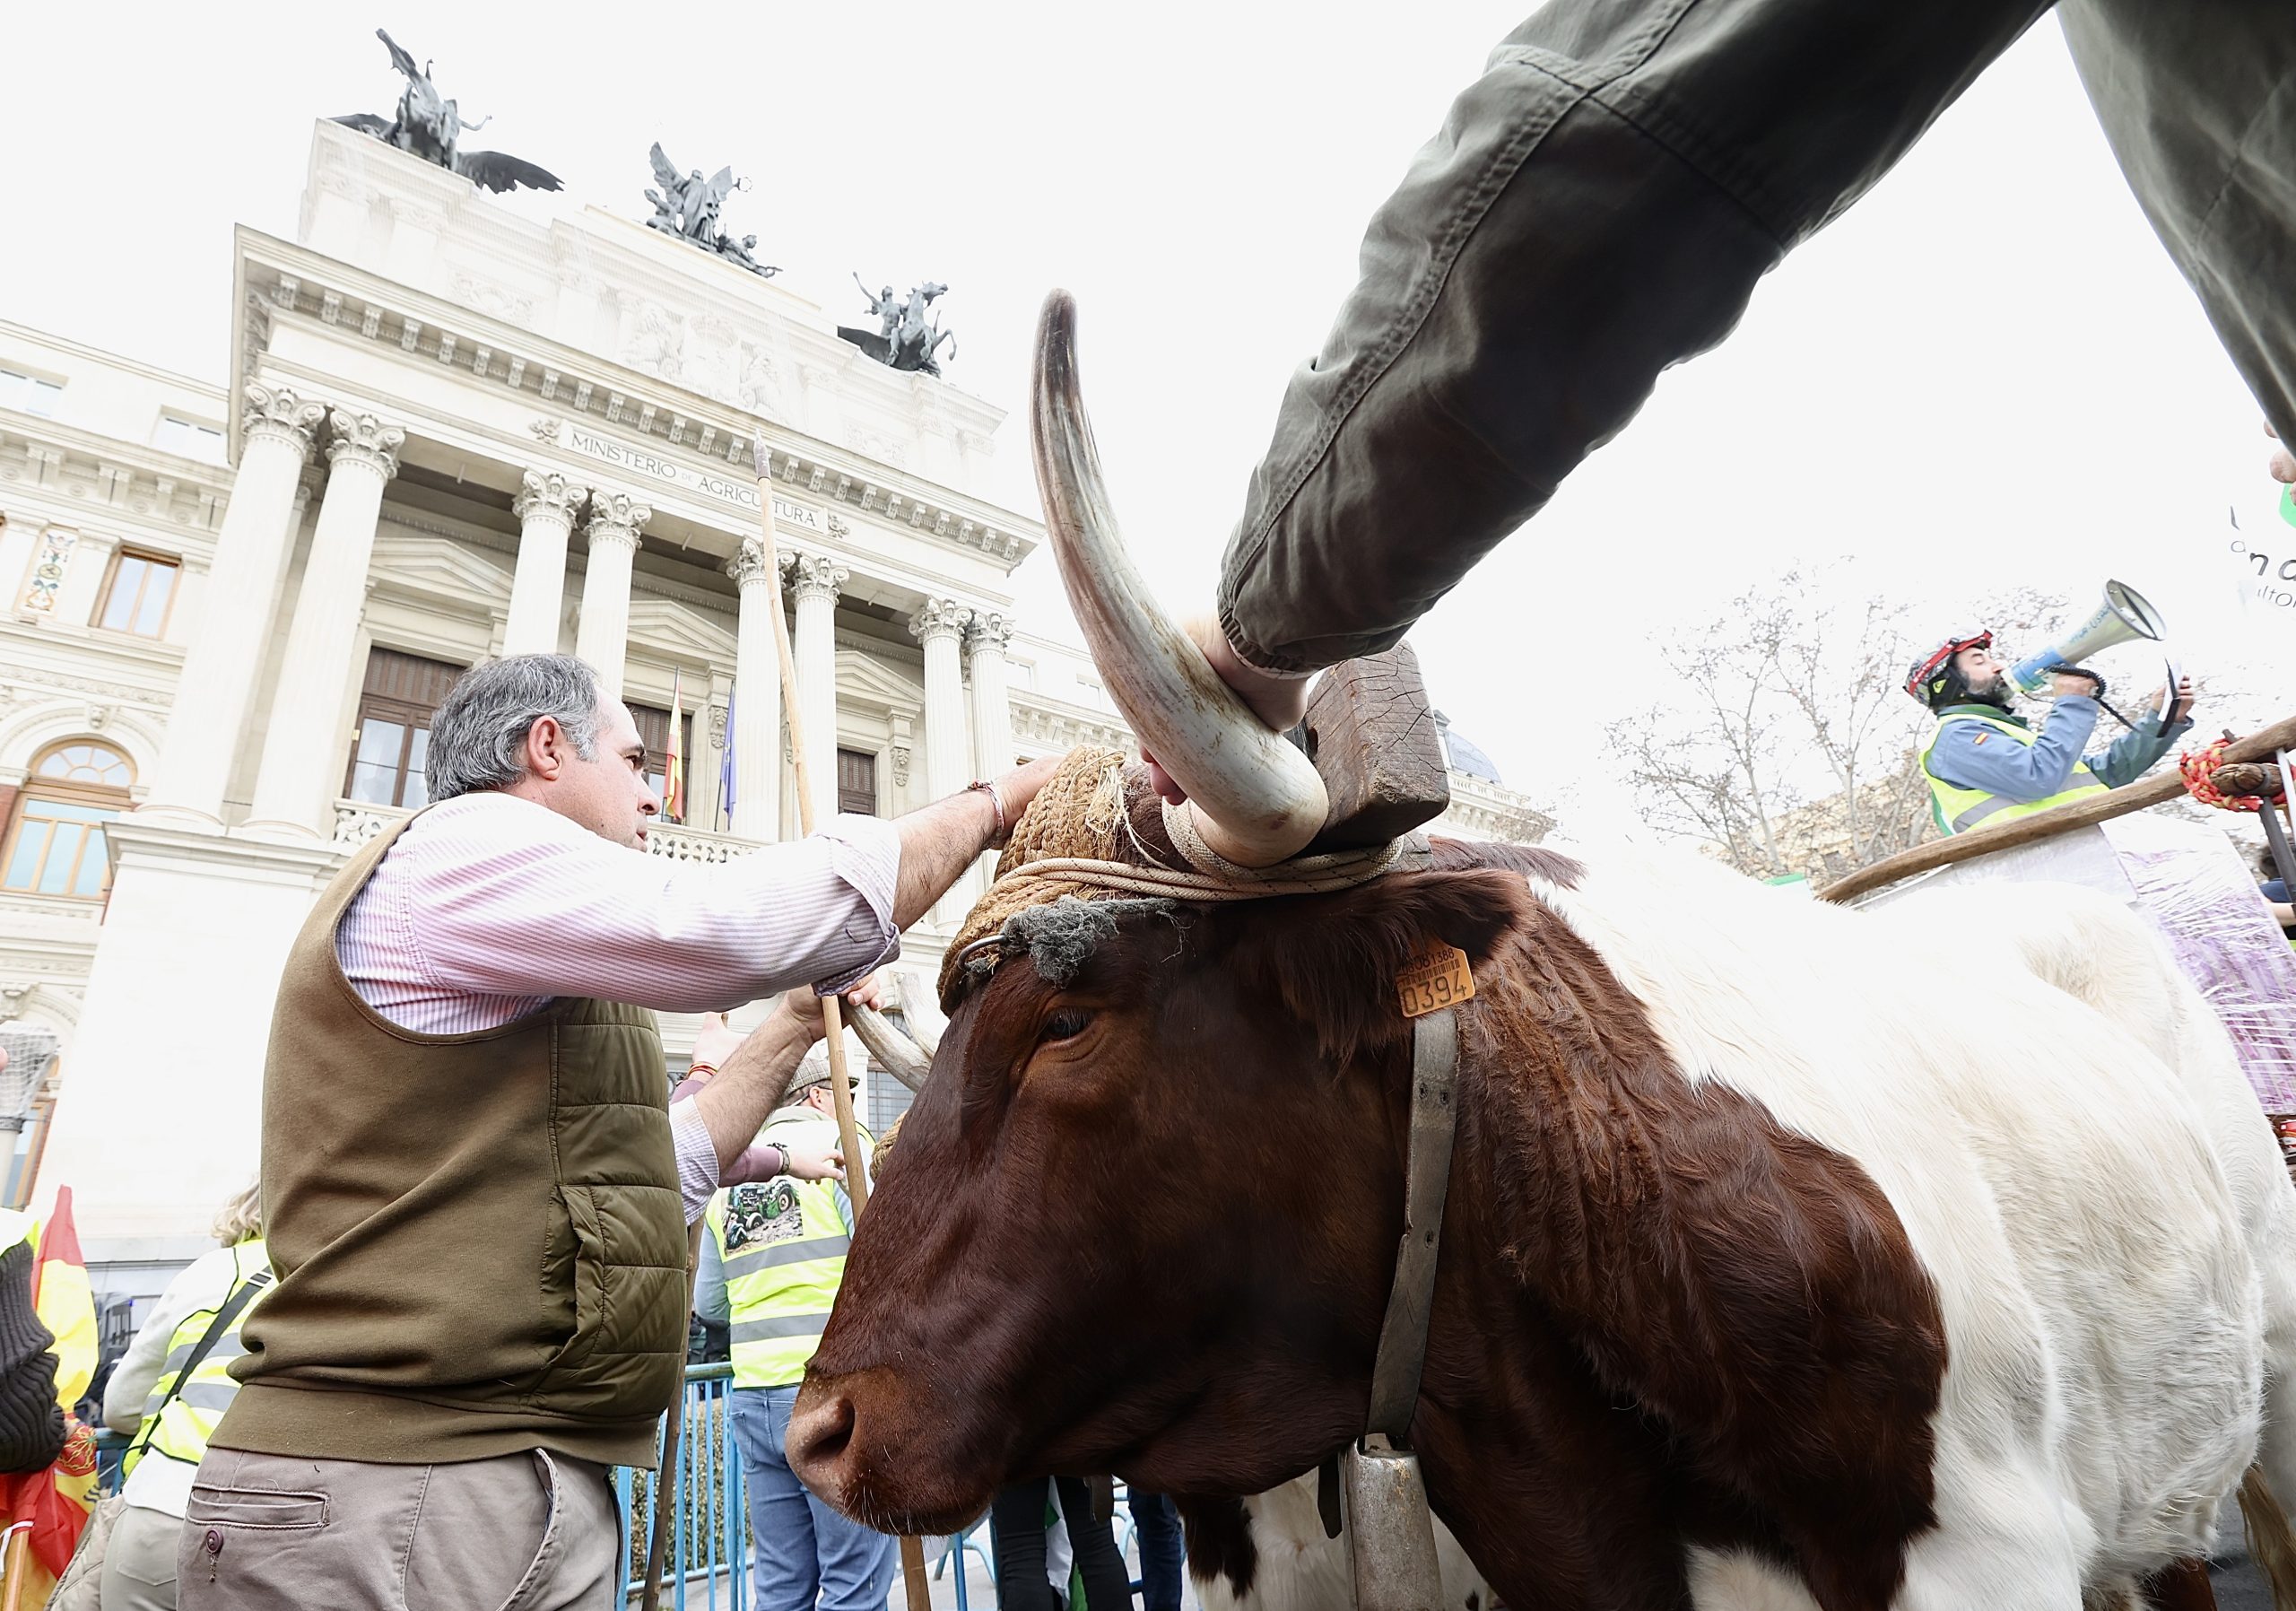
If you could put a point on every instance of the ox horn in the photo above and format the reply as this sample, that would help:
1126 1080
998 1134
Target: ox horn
1256 799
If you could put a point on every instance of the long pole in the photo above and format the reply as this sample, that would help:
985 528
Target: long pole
917 1589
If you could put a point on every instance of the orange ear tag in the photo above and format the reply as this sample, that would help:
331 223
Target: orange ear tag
1436 979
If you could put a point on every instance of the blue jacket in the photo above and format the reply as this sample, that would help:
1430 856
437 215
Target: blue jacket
2036 771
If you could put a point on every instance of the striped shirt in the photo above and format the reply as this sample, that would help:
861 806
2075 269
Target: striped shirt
490 907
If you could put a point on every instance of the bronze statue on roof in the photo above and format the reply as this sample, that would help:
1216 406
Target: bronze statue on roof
430 126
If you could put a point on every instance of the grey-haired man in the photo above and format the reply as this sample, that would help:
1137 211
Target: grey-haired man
477 1196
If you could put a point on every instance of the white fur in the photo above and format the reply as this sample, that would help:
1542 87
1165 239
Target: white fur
2094 1194
1300 1570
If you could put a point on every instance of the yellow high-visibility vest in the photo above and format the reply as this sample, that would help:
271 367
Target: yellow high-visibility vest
782 1243
179 1427
1958 809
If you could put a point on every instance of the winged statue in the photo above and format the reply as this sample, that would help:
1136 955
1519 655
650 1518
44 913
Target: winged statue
430 126
688 206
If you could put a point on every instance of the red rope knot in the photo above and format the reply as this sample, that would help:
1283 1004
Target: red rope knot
2199 771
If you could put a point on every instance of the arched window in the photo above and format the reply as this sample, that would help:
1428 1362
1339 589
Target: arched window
55 842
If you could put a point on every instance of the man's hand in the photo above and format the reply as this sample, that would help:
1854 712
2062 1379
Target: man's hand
2282 463
714 1041
2062 685
1016 788
939 842
762 1161
2157 699
803 1005
1282 702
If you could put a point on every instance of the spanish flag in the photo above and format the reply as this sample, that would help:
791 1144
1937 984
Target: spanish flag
53 1505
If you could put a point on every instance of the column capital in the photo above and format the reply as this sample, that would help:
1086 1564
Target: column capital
817 576
616 517
363 439
989 631
939 618
275 411
748 567
547 493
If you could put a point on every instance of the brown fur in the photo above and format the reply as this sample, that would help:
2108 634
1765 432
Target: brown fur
2270 1543
1163 1245
2183 1586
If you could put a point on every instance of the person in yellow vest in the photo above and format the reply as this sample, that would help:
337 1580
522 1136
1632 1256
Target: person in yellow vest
1986 765
771 1266
171 1410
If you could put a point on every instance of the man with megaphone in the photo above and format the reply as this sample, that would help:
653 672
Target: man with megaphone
1986 765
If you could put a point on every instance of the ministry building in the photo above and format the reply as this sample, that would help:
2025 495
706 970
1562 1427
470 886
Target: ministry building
451 432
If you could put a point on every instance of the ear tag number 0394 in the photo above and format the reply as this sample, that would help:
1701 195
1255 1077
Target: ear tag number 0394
1436 979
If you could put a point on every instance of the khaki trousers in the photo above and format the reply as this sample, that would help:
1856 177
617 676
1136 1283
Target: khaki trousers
521 1532
140 1561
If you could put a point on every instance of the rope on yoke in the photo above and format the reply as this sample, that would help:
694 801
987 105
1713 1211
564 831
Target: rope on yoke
2199 769
1078 839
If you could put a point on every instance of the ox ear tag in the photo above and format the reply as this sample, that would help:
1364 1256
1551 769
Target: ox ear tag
1436 979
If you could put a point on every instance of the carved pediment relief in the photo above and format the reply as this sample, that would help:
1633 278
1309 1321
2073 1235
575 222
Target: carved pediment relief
678 630
866 681
439 570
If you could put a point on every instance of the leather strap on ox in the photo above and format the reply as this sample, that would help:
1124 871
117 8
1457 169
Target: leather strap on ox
1391 1535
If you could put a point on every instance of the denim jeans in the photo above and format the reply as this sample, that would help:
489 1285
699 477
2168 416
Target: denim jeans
1156 1527
805 1551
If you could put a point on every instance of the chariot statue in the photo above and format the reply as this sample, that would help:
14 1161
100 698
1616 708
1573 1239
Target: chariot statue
430 126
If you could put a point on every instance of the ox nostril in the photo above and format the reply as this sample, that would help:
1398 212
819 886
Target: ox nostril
819 1432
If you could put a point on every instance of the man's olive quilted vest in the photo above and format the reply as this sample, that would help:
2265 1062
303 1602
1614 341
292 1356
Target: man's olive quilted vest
480 1240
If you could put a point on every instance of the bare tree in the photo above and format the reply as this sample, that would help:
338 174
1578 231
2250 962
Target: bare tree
1790 746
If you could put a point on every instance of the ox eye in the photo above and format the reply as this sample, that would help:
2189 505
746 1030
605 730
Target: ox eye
1066 1024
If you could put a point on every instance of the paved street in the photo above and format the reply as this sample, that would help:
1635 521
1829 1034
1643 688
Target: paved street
2239 1586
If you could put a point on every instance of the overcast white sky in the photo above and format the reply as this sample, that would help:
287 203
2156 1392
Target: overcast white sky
1987 374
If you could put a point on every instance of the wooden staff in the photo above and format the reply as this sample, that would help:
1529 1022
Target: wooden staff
917 1589
2025 831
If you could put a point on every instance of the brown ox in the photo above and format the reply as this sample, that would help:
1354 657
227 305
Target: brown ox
1779 1269
1146 1221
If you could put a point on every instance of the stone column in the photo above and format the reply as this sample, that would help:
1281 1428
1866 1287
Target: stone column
948 756
302 757
546 511
992 712
601 633
756 723
221 664
815 580
992 706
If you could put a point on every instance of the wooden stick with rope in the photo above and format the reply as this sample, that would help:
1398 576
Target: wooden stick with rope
916 1586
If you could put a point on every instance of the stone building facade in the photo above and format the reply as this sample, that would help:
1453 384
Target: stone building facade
451 431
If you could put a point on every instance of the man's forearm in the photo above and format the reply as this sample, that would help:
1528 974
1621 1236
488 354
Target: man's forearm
734 1105
937 844
1600 204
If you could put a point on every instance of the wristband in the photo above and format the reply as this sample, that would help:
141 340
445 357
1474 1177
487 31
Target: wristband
784 1151
996 800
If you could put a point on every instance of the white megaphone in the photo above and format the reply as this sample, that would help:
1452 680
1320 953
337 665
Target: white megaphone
2123 618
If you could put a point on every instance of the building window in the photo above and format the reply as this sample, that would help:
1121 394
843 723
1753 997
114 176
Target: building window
189 438
391 742
29 393
654 727
56 845
856 782
137 593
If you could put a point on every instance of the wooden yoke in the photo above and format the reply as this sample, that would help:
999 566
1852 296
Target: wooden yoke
1371 734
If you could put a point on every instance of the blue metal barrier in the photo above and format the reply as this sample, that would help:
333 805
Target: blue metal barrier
710 1534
